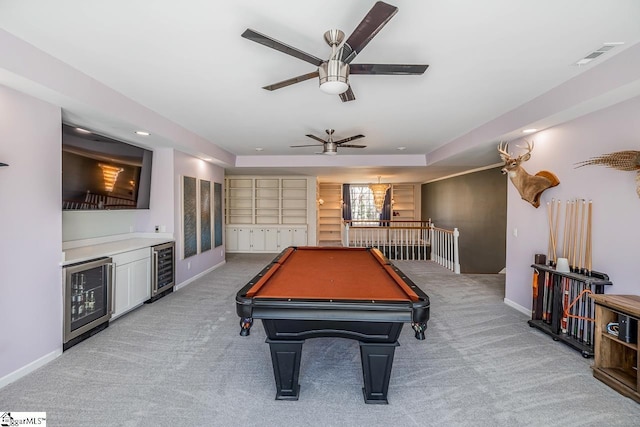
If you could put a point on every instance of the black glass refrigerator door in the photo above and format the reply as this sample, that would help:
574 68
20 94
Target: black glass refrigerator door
87 296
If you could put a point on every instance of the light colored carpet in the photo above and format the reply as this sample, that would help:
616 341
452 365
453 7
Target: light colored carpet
181 362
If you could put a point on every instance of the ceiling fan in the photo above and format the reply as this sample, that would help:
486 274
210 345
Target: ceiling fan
330 146
334 72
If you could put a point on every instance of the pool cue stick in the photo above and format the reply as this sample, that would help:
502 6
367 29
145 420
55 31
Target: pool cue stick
582 235
555 232
550 220
548 294
579 335
570 234
564 236
565 304
589 238
575 234
544 296
571 309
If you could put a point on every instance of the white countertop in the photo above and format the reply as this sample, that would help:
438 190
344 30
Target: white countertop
109 248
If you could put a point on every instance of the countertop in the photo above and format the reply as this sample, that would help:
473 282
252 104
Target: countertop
106 249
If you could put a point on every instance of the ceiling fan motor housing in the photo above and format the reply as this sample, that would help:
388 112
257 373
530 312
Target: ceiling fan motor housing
330 148
334 76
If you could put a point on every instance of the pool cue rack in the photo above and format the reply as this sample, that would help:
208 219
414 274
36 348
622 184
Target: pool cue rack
552 292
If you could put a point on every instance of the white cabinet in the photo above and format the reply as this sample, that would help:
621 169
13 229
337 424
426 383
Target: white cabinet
273 238
244 239
268 214
231 239
132 285
293 236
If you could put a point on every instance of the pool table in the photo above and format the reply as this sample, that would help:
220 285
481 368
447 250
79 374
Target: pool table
311 292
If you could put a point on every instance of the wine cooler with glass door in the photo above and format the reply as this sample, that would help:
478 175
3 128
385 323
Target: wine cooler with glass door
163 270
87 299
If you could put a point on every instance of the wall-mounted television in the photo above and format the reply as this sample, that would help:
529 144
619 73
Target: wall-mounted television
101 173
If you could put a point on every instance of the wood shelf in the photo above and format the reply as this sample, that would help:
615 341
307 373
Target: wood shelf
403 196
617 360
330 213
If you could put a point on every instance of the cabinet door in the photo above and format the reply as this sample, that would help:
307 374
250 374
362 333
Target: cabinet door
231 238
258 239
140 287
286 238
271 239
299 236
244 239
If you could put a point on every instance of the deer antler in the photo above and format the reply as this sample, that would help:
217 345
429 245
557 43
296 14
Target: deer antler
504 153
526 156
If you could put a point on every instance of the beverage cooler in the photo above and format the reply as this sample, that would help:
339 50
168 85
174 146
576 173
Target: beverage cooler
163 270
87 299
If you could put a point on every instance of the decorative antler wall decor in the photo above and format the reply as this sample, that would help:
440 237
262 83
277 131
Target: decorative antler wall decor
529 186
628 160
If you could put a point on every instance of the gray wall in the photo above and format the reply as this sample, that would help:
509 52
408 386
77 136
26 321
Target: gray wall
475 204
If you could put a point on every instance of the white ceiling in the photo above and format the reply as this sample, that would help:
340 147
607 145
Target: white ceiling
489 64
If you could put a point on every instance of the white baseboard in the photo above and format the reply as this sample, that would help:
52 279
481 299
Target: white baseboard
27 369
518 307
197 276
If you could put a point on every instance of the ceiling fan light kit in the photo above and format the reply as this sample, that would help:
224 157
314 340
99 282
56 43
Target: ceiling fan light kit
333 73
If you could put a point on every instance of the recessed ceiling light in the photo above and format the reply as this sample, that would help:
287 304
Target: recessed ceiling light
83 130
402 148
530 130
259 148
143 133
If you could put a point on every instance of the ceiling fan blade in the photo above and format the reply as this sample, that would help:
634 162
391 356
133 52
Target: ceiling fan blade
389 69
291 81
353 146
372 23
316 138
312 145
351 138
348 95
275 44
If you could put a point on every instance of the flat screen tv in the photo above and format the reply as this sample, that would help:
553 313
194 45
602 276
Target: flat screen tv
101 173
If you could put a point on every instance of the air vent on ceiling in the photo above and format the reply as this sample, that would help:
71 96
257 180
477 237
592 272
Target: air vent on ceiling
596 53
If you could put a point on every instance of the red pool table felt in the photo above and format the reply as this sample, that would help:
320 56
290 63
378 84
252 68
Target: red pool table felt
332 273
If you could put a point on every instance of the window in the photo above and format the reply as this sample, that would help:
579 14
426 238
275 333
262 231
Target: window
362 206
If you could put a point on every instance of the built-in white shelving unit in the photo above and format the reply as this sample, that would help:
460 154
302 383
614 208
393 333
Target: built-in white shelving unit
268 214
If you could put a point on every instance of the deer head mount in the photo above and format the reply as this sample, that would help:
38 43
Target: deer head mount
529 186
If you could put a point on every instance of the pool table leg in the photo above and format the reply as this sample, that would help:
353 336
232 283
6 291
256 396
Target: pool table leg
377 360
285 356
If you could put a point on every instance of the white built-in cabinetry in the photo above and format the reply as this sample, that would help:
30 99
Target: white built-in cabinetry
133 280
271 238
267 214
